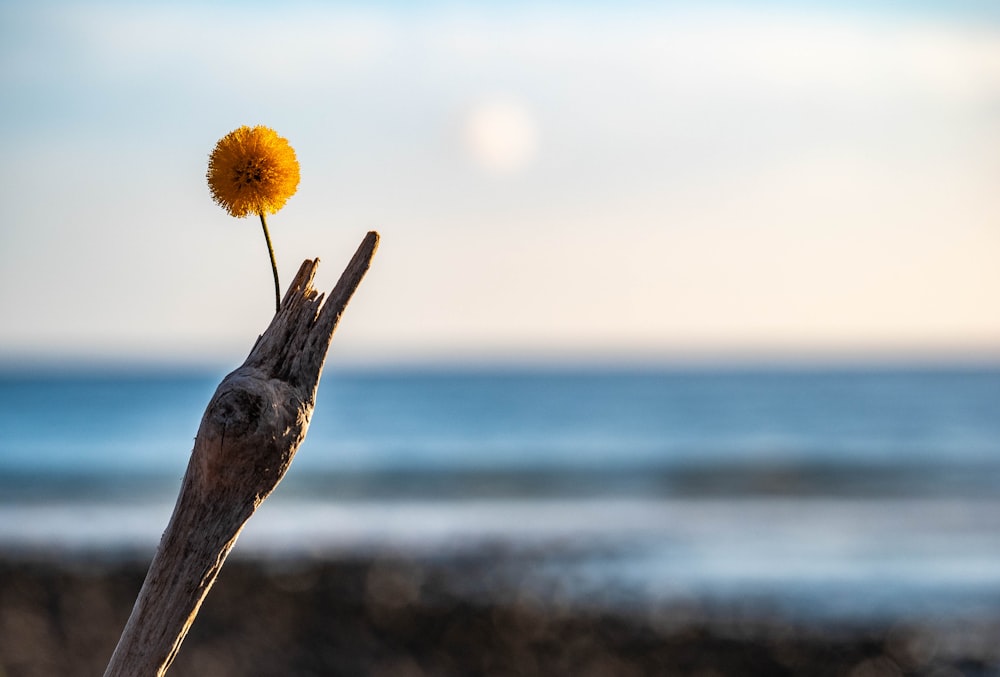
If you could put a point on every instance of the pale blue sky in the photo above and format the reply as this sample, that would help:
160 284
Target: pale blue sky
550 180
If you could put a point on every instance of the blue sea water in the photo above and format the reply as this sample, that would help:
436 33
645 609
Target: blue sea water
844 491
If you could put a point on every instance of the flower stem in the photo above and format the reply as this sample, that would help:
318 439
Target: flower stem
274 265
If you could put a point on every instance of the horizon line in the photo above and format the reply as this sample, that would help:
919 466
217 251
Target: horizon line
13 364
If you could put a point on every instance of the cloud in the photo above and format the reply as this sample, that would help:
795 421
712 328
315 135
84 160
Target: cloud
253 46
685 47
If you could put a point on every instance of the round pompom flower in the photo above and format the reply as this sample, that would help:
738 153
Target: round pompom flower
252 170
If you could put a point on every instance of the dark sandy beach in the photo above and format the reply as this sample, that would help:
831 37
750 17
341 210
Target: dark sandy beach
455 616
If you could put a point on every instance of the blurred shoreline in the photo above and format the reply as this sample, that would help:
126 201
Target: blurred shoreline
465 614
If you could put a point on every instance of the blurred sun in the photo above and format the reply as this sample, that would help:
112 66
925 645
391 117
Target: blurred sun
500 135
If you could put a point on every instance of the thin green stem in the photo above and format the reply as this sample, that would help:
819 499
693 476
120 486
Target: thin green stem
274 265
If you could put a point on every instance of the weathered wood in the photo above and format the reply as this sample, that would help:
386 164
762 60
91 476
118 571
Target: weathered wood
248 436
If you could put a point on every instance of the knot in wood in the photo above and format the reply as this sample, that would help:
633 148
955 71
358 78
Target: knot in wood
237 412
249 434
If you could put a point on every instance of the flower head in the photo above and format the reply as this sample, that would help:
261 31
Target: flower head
252 170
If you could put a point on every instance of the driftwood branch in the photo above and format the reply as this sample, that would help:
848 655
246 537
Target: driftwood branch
251 429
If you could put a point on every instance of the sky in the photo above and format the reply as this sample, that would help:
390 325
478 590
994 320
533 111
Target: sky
551 181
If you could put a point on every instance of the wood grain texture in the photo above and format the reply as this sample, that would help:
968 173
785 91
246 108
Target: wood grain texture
249 434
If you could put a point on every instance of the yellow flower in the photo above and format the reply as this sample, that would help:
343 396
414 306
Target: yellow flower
252 170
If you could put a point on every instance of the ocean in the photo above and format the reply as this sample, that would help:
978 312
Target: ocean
847 493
